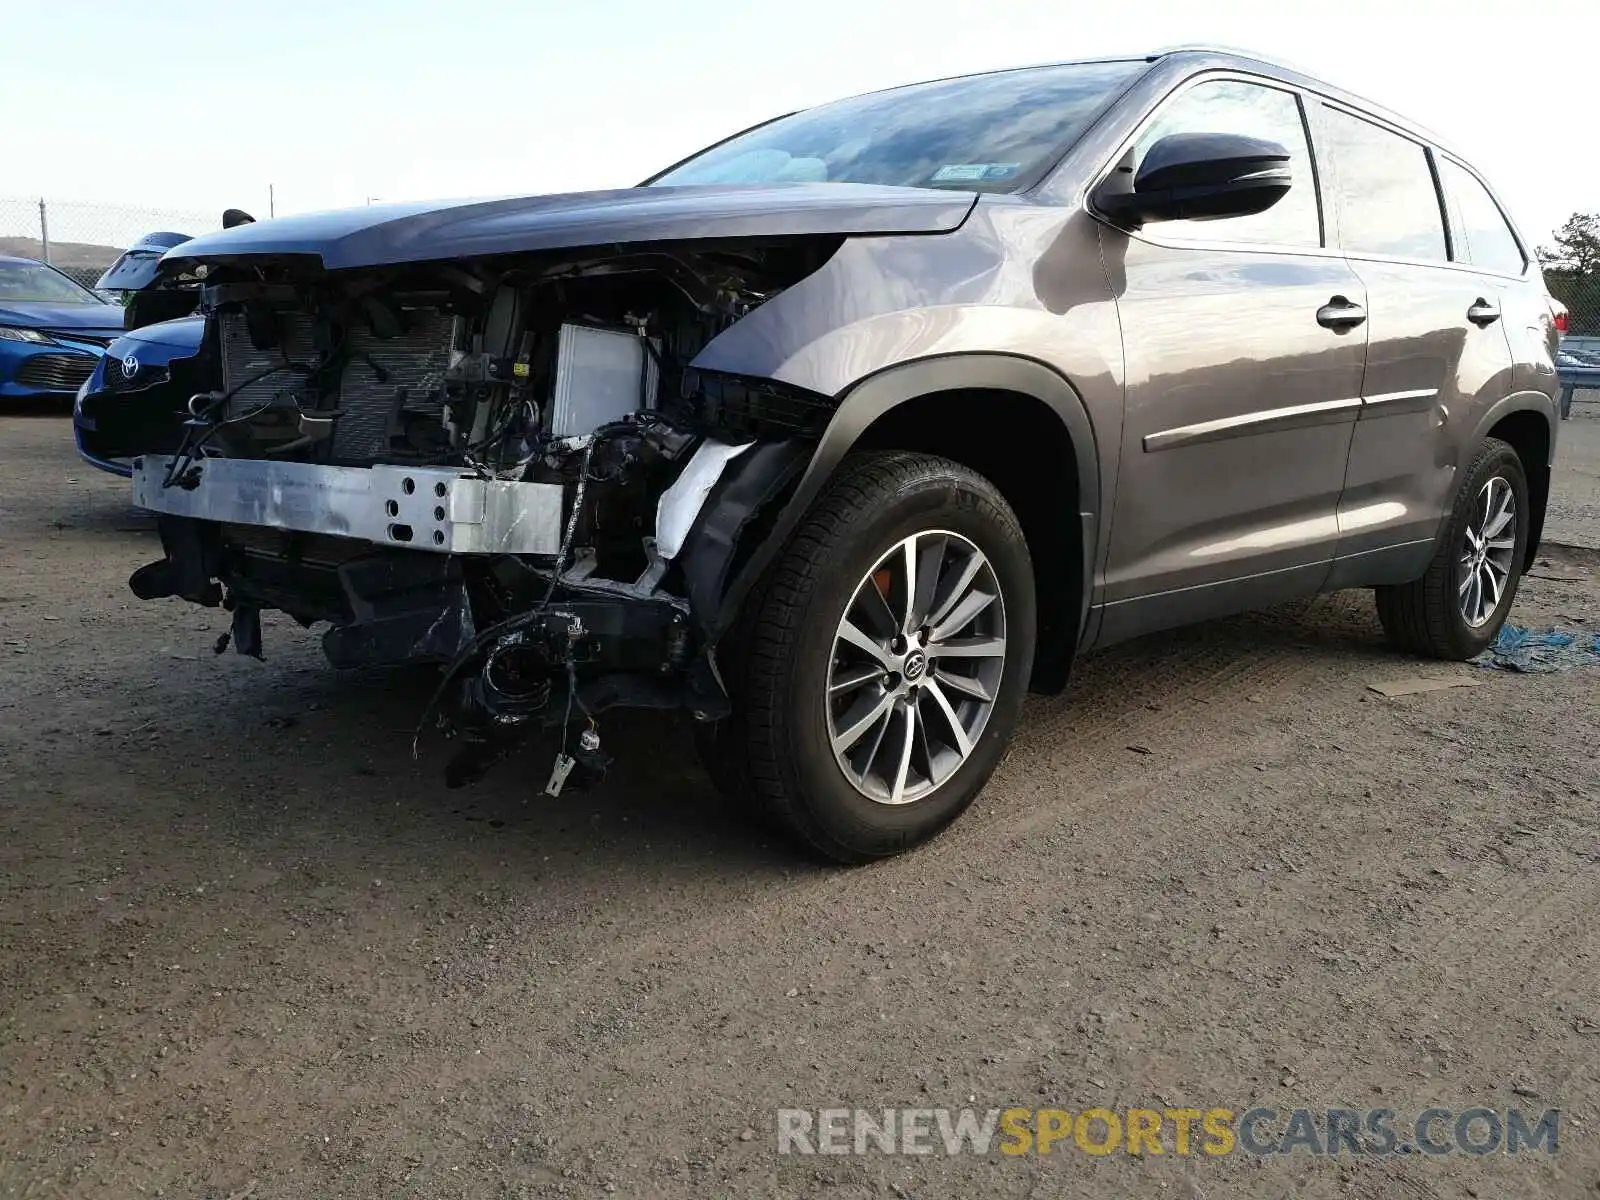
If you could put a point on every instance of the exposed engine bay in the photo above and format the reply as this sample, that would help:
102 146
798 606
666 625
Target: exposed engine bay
507 466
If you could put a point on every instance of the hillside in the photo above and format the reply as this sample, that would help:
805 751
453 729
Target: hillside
69 256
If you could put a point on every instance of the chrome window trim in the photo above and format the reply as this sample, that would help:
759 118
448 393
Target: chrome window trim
1306 93
1434 152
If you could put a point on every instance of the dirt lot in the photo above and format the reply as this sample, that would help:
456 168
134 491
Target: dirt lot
249 948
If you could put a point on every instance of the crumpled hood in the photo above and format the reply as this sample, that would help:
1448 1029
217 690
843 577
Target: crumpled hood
89 318
422 232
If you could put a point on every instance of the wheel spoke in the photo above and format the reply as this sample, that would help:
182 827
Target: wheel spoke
973 603
1474 596
957 589
1509 543
857 726
1500 518
875 610
972 647
1492 586
897 793
865 643
908 568
962 743
966 684
849 679
926 577
877 745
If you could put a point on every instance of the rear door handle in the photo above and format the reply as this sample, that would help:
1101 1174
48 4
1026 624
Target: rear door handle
1483 313
1340 314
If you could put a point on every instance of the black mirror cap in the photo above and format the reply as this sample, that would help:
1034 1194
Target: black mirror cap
1182 160
1203 176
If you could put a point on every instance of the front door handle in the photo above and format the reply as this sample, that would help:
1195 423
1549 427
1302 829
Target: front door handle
1483 313
1340 314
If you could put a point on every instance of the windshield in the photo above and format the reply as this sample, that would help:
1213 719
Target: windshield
998 132
35 283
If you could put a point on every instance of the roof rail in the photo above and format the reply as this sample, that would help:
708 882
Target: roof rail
1235 51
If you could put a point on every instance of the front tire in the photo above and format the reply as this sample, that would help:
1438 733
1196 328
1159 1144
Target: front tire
1457 608
879 669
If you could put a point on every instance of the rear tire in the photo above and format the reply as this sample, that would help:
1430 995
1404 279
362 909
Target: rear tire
802 683
1458 606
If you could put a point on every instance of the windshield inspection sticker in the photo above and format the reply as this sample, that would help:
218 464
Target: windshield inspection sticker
975 172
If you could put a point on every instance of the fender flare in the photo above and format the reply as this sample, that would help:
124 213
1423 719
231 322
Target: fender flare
1527 400
1523 401
870 398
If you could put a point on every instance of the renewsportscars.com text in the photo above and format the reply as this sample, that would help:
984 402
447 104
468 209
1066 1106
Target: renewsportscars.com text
1260 1132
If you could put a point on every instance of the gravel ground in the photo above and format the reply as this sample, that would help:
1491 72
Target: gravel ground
251 949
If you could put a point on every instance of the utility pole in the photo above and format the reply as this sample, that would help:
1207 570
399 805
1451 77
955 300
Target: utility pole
272 205
44 231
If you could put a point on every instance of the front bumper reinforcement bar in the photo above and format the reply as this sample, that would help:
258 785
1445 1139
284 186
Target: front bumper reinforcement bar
441 510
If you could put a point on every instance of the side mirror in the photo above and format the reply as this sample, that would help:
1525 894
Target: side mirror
1201 177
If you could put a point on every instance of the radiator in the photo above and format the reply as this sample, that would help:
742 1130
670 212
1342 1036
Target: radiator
381 376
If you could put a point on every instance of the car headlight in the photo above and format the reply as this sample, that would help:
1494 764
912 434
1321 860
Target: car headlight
9 333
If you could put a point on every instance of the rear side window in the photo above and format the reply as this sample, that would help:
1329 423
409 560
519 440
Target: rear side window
1388 203
1485 239
1230 106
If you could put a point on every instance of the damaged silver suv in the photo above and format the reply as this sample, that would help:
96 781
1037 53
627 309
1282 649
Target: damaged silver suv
845 432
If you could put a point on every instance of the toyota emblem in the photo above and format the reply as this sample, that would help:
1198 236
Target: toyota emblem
130 367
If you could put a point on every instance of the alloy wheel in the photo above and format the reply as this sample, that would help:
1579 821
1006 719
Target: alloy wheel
917 662
1488 552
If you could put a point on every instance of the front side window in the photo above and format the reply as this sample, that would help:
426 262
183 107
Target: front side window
35 283
1388 204
1251 109
998 132
1485 238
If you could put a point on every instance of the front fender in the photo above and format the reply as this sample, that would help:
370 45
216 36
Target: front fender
876 396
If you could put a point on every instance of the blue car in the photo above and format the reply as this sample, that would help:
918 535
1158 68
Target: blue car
120 403
53 331
124 407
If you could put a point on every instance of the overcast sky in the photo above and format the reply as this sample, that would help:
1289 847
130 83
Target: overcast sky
199 106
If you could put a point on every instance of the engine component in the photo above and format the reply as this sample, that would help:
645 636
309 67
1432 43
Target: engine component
373 386
602 375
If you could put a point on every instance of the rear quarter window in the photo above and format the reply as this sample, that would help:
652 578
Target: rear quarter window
1482 232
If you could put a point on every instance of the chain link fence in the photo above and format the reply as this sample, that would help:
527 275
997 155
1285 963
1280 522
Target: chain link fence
1580 292
83 238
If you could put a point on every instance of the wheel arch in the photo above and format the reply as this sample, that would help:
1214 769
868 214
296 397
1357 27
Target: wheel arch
1526 421
1031 437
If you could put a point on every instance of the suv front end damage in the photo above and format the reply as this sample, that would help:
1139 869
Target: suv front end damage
503 465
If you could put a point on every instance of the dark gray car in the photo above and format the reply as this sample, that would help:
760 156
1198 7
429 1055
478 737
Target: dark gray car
845 432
